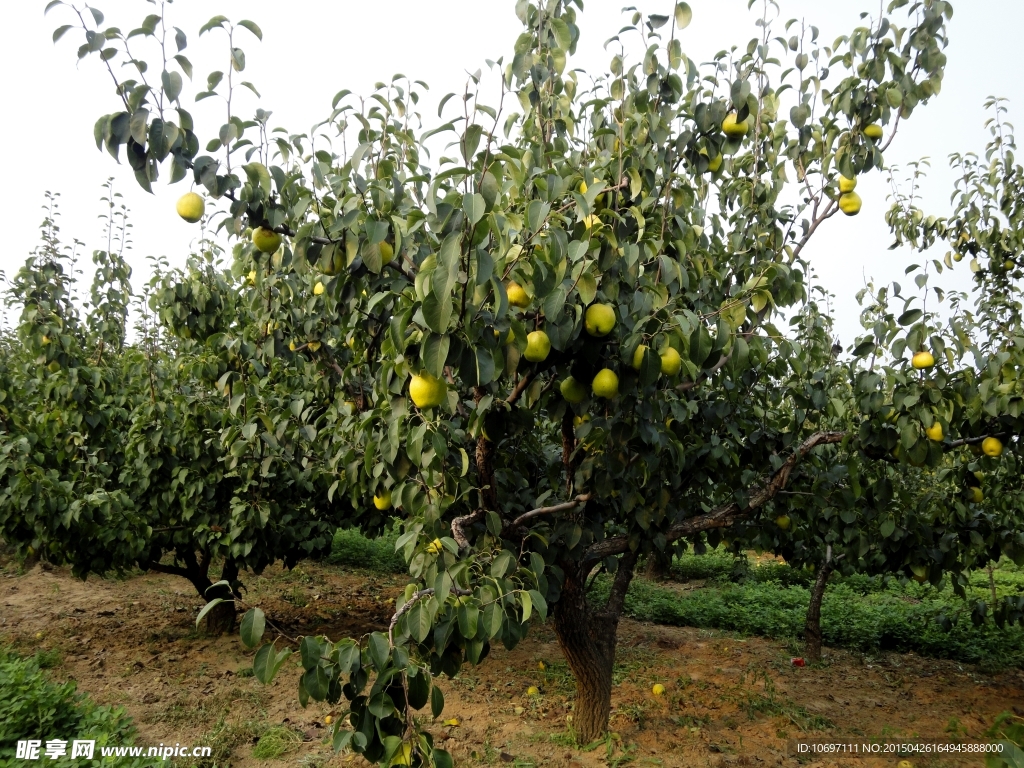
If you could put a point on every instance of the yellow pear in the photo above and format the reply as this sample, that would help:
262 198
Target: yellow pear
783 522
850 203
387 252
733 129
638 356
977 495
992 446
266 240
191 207
382 500
658 689
538 347
873 131
318 288
922 360
599 319
713 165
934 432
605 384
572 390
313 346
846 185
671 362
517 295
426 391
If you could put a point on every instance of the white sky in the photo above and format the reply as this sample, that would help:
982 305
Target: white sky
312 49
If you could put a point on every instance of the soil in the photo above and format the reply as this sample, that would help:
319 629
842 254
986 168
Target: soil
729 700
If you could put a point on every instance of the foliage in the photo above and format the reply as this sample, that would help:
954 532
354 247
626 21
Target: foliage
352 549
34 707
651 224
903 618
110 451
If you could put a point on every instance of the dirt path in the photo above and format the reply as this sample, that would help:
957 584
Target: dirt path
728 700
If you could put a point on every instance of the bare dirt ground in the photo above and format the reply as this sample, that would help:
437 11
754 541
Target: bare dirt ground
728 701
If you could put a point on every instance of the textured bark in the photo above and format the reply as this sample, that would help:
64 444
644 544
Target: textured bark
812 627
587 637
485 463
221 618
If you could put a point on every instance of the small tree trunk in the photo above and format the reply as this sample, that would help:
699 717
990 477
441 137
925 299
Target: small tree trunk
221 618
812 627
587 637
659 566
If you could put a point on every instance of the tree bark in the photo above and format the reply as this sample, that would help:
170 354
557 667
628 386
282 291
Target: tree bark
659 566
587 637
812 627
221 618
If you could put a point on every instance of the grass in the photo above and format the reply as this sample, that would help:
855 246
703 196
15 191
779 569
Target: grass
34 706
275 742
353 550
861 613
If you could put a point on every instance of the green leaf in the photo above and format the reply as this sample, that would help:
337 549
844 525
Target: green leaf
490 189
527 601
435 353
379 650
58 33
309 651
437 313
185 64
536 215
910 317
216 21
436 702
253 27
342 736
442 759
475 206
562 33
252 627
469 615
683 15
540 604
172 84
263 664
587 288
207 608
887 528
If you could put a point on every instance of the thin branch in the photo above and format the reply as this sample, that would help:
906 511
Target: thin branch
583 498
416 597
520 387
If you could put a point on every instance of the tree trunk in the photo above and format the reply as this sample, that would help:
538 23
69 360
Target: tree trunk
587 637
221 618
659 566
812 627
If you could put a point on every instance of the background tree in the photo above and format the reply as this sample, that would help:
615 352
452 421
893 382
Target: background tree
111 453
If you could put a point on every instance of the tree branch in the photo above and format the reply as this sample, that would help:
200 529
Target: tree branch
623 576
416 597
727 514
564 506
517 392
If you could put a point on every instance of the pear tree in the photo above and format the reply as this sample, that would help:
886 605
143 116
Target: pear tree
557 349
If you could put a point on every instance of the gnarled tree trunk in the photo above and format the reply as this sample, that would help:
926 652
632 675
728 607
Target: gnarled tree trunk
587 636
812 627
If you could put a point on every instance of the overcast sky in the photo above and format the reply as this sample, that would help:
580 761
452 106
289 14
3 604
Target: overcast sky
312 49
